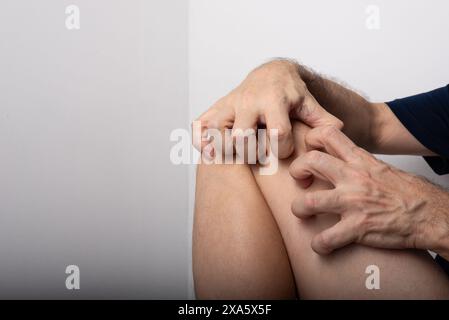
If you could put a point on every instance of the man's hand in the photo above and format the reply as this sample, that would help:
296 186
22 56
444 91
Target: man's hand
380 206
270 95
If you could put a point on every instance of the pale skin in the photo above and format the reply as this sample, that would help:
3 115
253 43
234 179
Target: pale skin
248 244
379 205
375 214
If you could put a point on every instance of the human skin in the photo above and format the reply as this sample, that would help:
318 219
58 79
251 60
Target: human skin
246 238
270 95
238 251
370 125
379 205
284 88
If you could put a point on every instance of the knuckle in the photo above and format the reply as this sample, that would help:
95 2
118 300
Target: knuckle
298 93
310 201
327 132
337 123
357 149
295 96
381 167
308 105
358 152
325 242
312 157
361 154
279 96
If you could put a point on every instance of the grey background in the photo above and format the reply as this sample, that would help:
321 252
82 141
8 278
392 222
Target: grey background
407 55
85 119
85 174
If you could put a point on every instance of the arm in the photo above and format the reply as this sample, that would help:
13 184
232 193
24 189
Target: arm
281 90
379 205
270 95
405 274
372 126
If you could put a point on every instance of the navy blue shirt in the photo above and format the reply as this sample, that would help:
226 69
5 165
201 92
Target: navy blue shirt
426 116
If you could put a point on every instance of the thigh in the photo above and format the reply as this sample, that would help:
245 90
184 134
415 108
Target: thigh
238 252
403 273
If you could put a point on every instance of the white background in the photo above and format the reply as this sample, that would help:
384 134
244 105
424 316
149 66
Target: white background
407 55
85 171
85 119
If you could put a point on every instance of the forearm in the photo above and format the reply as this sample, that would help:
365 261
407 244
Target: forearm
373 126
359 116
433 231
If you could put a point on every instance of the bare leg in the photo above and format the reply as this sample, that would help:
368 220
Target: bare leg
403 274
238 252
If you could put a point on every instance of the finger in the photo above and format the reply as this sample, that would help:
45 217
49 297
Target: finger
263 147
244 131
319 164
280 131
199 135
313 114
244 123
333 141
216 117
208 154
317 202
337 236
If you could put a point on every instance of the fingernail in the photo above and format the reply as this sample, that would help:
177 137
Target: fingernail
208 152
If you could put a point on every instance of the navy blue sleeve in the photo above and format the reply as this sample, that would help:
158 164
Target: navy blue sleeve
426 116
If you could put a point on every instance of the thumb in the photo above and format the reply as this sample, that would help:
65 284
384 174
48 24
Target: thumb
313 114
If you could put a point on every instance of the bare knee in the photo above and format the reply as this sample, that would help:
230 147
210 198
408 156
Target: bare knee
237 249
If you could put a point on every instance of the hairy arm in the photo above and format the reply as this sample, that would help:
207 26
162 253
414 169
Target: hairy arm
281 90
373 126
